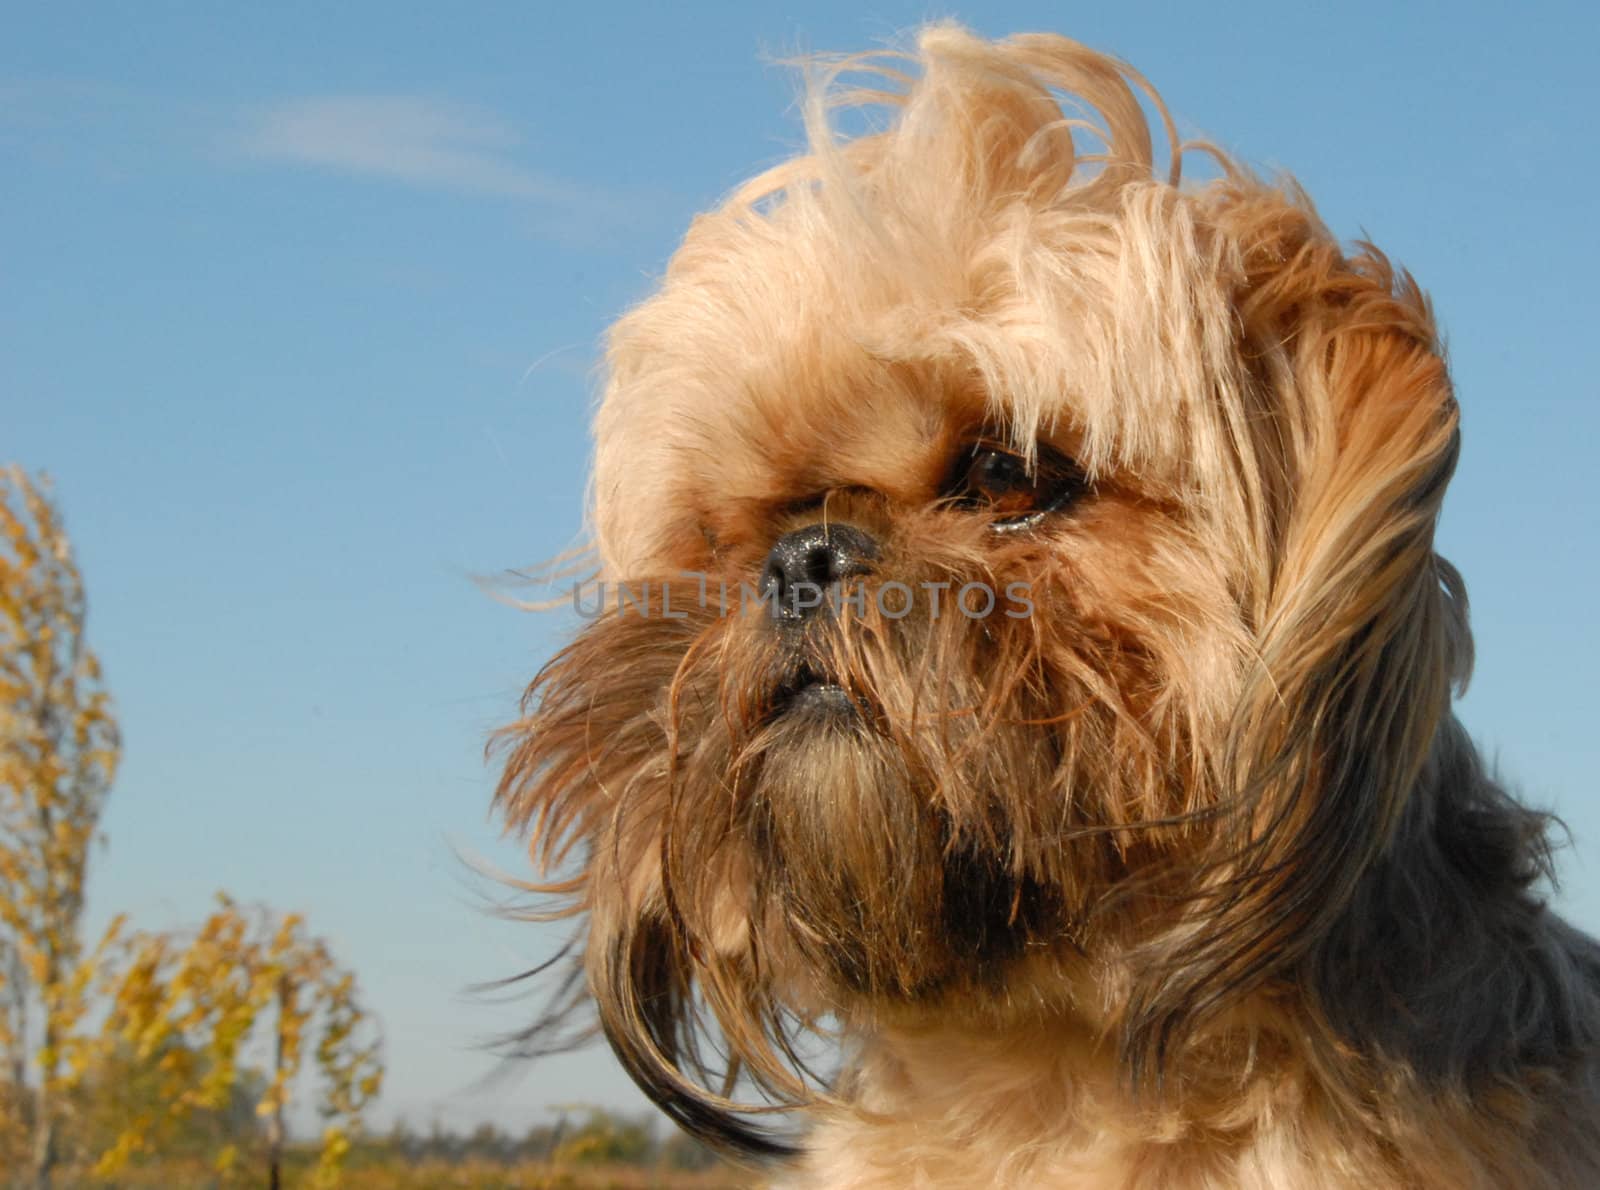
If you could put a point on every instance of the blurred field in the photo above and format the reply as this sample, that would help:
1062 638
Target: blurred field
582 1148
444 1175
538 1176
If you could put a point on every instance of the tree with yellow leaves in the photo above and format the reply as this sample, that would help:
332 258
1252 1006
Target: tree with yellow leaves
192 1007
184 1008
58 754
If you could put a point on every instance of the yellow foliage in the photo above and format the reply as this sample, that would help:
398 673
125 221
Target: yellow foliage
242 975
186 1007
58 754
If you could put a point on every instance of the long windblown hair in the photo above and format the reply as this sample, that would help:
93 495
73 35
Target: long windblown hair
1198 785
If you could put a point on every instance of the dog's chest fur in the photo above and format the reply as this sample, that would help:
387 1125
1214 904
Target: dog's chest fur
940 1112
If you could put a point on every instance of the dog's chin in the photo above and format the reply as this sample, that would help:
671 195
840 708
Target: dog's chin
875 892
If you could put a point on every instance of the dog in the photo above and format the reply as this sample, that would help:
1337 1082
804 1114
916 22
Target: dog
1018 730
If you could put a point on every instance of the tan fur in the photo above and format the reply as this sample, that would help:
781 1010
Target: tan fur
1187 879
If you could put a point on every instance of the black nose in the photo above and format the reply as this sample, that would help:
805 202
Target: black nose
804 564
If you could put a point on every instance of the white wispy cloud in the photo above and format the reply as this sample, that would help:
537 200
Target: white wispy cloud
409 139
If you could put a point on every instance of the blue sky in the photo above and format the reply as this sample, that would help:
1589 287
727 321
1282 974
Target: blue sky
300 309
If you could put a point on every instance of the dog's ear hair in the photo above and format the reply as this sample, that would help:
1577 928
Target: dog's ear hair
1359 631
1463 976
644 983
581 782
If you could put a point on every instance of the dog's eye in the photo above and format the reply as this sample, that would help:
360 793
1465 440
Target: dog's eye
992 479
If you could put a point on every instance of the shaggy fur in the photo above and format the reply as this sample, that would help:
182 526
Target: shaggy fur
1189 878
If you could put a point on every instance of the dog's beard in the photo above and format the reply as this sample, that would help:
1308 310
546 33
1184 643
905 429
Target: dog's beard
904 830
883 870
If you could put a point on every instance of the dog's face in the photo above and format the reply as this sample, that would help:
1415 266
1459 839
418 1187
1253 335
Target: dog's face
1049 589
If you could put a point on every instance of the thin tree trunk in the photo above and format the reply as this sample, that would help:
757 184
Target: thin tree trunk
45 1108
44 1120
275 1125
17 1057
57 923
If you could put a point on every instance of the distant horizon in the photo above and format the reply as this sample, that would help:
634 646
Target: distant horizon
306 319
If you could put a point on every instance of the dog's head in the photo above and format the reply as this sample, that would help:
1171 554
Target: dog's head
1025 568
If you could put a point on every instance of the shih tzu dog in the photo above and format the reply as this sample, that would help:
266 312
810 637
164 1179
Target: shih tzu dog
1011 719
